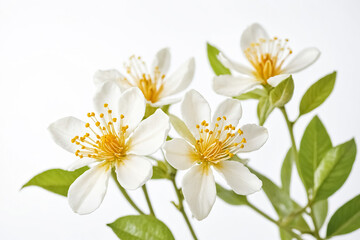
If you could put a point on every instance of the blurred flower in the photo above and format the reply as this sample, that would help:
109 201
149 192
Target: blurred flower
215 142
154 83
114 138
267 57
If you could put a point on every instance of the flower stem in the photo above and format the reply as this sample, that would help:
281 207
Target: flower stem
274 221
180 207
126 195
148 200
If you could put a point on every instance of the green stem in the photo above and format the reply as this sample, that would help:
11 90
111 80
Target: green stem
148 200
274 221
126 195
180 207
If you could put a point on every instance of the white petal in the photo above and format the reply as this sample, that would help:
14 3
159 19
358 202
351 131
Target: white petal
231 109
79 163
231 86
65 129
234 65
239 178
179 153
132 105
133 172
274 81
252 34
302 60
87 192
194 110
199 190
164 101
103 76
162 60
255 136
108 93
150 134
180 79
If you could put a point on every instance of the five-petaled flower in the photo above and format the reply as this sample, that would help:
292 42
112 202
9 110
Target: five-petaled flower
213 145
267 57
116 138
154 83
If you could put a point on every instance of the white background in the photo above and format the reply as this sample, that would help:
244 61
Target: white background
49 51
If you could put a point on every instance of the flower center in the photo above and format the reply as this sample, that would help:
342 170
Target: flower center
267 57
103 142
220 143
151 85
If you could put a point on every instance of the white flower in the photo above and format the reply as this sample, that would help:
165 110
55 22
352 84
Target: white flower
215 142
114 138
267 57
155 84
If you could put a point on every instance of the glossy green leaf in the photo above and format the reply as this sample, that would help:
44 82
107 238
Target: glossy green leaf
181 128
160 171
320 210
317 93
229 196
334 169
216 65
346 219
282 93
254 94
286 170
56 180
264 109
281 202
141 227
314 145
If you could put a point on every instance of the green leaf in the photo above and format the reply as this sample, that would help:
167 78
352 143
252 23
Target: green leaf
216 65
286 170
254 94
320 210
346 219
56 180
141 227
281 202
160 171
314 145
282 93
317 93
264 109
181 128
334 169
284 235
229 196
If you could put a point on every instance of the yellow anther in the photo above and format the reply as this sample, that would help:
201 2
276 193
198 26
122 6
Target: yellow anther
242 146
81 156
92 114
197 126
243 140
211 132
122 116
106 105
114 119
240 132
218 119
97 124
101 115
87 135
231 155
236 144
87 125
98 136
224 117
89 114
109 111
206 130
203 123
216 125
233 128
73 140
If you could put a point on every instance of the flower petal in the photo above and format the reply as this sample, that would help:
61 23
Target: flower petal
132 105
231 109
103 76
150 134
252 34
231 86
227 62
302 60
199 190
194 110
87 192
255 136
179 153
108 93
180 79
239 178
65 129
79 163
133 172
162 60
274 81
